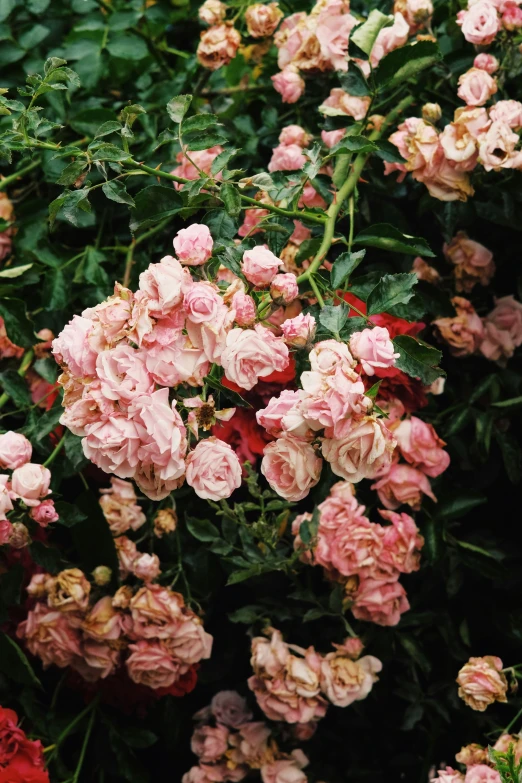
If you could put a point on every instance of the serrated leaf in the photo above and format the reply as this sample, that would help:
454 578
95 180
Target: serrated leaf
343 267
111 126
203 140
364 36
353 144
334 318
199 122
178 107
221 225
387 237
107 151
221 160
153 204
417 359
71 172
115 190
354 81
406 61
231 199
202 529
17 323
391 290
16 387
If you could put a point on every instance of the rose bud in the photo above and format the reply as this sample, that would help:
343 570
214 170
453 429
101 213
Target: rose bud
284 288
431 112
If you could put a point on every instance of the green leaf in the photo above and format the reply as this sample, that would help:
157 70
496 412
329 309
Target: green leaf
353 81
71 172
55 290
353 144
202 529
374 390
231 199
235 398
46 369
334 318
364 35
16 387
460 505
6 6
178 107
76 459
387 237
221 225
307 249
69 515
199 122
418 359
14 664
115 190
231 258
343 267
111 126
511 455
17 323
106 151
221 160
405 62
153 204
15 271
203 140
127 47
48 557
391 290
388 152
512 404
47 422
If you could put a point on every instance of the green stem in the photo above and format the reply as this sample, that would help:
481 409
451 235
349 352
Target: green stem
128 264
54 453
512 723
65 733
4 184
79 766
316 292
24 366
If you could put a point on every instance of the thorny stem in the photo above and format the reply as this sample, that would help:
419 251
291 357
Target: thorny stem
24 366
4 184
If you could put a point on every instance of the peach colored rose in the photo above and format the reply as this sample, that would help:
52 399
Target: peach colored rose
283 771
482 682
146 567
487 62
503 329
251 354
425 271
289 84
482 774
509 112
291 467
420 445
340 102
473 754
403 484
69 591
213 469
416 12
473 262
30 483
262 20
157 612
497 147
381 602
401 543
99 660
103 623
218 46
480 23
354 548
119 507
193 245
150 664
15 450
209 743
390 38
191 642
344 680
212 12
363 452
49 635
463 332
476 87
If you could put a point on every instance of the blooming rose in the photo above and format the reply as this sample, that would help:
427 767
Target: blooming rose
487 62
193 245
403 484
340 102
113 445
30 483
294 134
251 354
476 87
401 543
289 84
287 157
230 709
365 450
72 348
44 513
151 664
210 742
448 775
119 507
481 682
421 446
123 373
509 112
291 467
473 262
69 591
15 450
213 469
373 348
416 12
103 622
481 773
21 759
163 283
473 754
381 602
212 11
272 417
511 15
49 635
284 288
218 46
390 38
157 612
463 332
299 331
244 309
344 680
262 20
202 303
497 147
179 362
480 23
260 265
503 329
326 356
146 567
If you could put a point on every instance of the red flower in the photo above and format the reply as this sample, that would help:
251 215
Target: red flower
21 760
397 326
397 385
244 434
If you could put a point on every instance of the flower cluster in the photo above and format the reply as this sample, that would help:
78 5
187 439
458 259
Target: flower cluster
149 630
229 745
21 759
367 558
295 685
28 486
482 681
483 20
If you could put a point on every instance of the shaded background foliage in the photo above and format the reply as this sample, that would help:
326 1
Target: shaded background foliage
466 599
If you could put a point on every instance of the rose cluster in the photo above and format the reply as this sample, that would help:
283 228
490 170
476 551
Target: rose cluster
483 20
27 486
149 630
21 759
295 685
230 745
365 557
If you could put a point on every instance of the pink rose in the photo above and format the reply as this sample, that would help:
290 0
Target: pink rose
252 219
213 469
403 484
509 112
299 331
401 542
311 198
497 147
481 681
203 159
476 87
150 664
72 348
49 635
272 417
340 102
44 513
103 622
119 507
287 157
294 134
230 709
289 84
326 356
202 303
344 680
146 567
210 743
283 771
481 773
179 362
30 483
473 262
291 467
123 373
164 283
380 602
251 354
353 549
420 445
260 266
448 775
218 46
212 12
127 553
191 642
198 774
112 316
15 450
373 348
284 288
363 452
480 23
486 62
193 245
244 309
464 332
503 329
6 528
390 38
332 33
416 12
511 15
262 20
269 656
113 445
157 612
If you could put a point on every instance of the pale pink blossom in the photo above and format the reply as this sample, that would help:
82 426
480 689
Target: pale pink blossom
403 484
191 643
344 680
244 309
218 46
340 102
333 33
473 262
363 452
123 374
72 348
164 283
291 467
390 38
113 445
480 23
287 157
463 332
373 348
251 354
209 743
476 87
416 12
272 417
150 664
448 775
294 134
420 445
49 635
508 112
252 219
511 15
193 245
379 601
497 147
354 548
44 513
146 567
487 62
284 288
179 362
331 138
15 450
311 198
481 682
289 84
212 12
262 19
334 401
260 265
202 303
203 159
481 773
401 542
299 331
327 355
283 771
213 469
30 483
503 329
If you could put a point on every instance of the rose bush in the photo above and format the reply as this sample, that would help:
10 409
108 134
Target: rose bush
260 329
